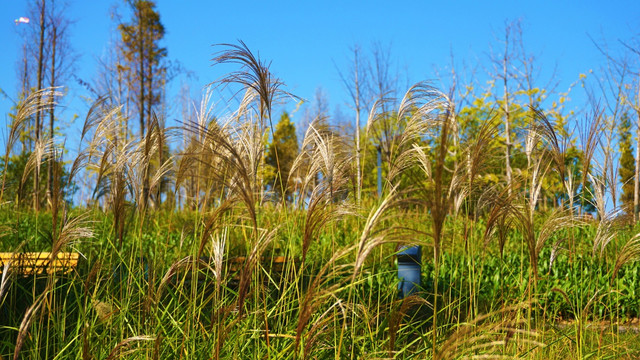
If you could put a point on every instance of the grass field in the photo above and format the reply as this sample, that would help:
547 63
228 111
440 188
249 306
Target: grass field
192 255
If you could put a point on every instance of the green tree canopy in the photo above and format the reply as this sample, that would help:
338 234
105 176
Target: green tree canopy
626 169
281 153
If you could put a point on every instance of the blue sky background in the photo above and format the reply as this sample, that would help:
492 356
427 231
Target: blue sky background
306 40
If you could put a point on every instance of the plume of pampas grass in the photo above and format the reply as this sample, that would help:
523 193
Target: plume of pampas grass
37 101
122 348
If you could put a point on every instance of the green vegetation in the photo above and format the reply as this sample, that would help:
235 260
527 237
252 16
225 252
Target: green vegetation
225 239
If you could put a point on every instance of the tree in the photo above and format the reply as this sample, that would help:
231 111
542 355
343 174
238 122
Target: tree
144 57
626 168
61 62
47 54
503 72
356 84
281 153
146 67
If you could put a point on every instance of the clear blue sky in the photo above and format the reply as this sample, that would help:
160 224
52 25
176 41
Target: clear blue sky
304 40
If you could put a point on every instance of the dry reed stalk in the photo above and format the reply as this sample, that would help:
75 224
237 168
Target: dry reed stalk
120 350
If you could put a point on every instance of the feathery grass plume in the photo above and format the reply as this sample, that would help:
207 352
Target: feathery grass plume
522 215
256 79
558 220
73 230
253 74
324 167
479 150
426 112
115 183
629 252
320 212
486 338
376 230
607 231
29 316
94 116
230 155
590 140
43 149
598 194
214 224
499 220
556 147
37 101
414 120
122 348
218 245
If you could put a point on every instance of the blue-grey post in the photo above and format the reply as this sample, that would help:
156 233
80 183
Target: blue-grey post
409 269
379 172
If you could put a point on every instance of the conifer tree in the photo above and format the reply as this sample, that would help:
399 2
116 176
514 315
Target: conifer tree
626 169
281 153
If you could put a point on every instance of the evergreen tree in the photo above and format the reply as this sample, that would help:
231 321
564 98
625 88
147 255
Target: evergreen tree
626 169
141 50
281 153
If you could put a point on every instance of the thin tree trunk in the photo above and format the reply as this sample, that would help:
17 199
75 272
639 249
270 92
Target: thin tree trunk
358 175
36 180
507 120
636 178
25 88
52 115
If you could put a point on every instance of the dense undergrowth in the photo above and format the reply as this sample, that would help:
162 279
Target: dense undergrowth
147 286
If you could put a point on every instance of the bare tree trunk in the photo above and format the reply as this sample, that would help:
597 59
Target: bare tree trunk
636 177
52 114
507 120
357 100
36 180
26 144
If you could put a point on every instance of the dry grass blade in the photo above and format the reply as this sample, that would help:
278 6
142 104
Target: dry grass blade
120 349
606 232
6 277
485 338
42 150
377 231
28 318
317 291
37 101
72 231
630 251
396 316
214 223
558 220
590 141
250 264
94 116
185 264
557 146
